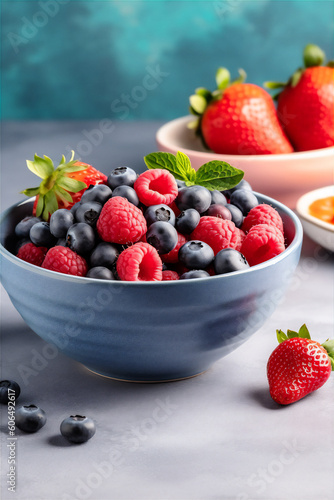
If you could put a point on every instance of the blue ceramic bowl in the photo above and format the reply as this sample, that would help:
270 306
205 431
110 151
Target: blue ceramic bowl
154 331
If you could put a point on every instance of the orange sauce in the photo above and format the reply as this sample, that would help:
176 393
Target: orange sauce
323 209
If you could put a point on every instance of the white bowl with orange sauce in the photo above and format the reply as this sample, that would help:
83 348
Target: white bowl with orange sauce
316 211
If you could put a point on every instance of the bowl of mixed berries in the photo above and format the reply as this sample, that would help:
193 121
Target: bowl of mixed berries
149 277
284 143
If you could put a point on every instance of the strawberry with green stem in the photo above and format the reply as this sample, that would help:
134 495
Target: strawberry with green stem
237 118
298 366
61 187
305 102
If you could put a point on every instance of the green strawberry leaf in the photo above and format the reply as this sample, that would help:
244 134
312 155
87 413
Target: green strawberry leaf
242 76
166 161
198 103
223 78
329 346
218 175
296 77
64 195
43 167
292 334
281 336
303 332
71 185
50 204
274 85
70 167
204 93
40 206
313 56
30 191
184 166
193 124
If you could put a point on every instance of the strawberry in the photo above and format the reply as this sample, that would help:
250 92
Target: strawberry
298 366
305 105
61 187
238 118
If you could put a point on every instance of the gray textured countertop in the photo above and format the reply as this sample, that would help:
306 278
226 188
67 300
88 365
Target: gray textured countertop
218 436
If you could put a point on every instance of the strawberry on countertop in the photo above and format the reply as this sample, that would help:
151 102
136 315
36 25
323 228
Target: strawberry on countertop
305 105
61 187
238 118
298 366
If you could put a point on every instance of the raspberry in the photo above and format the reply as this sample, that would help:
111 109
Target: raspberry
140 262
169 275
242 237
262 214
175 208
32 254
121 222
156 186
217 233
173 255
64 260
263 242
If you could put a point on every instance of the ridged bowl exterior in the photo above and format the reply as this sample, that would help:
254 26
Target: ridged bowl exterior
140 331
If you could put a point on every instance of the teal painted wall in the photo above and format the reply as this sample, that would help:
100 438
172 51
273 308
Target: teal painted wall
66 59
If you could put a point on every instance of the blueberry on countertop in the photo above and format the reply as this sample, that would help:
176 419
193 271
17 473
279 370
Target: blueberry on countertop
30 418
8 388
77 428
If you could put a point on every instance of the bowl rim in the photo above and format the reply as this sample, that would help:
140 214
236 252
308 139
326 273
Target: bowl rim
305 201
298 155
295 243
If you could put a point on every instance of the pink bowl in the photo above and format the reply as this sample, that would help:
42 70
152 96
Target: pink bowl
284 177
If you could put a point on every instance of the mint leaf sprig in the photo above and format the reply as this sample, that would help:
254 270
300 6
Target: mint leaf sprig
213 175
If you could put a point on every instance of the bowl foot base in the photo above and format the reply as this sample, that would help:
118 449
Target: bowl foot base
135 381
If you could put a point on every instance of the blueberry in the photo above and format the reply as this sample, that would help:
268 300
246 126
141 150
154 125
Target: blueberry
122 176
219 211
196 254
127 192
8 389
237 215
242 185
30 418
180 184
77 429
197 197
60 221
198 273
80 238
100 273
229 260
22 229
75 207
187 221
98 192
88 212
244 199
104 254
61 242
161 212
217 198
41 236
162 236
